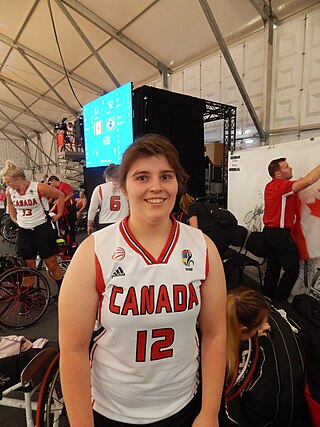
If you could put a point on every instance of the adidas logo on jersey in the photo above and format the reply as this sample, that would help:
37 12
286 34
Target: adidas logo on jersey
118 273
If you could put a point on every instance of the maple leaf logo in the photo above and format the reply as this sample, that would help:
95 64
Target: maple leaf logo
315 208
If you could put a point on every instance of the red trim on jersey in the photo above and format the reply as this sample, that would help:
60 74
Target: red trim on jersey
40 197
137 247
207 263
171 243
100 193
100 285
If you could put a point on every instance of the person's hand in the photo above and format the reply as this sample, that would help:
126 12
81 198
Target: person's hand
203 420
54 218
263 331
90 229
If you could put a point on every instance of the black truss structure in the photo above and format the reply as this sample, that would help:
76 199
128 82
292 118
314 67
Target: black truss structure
228 113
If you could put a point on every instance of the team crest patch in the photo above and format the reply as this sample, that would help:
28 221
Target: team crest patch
187 259
118 254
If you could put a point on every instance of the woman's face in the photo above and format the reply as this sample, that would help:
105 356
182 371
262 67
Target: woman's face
151 187
13 183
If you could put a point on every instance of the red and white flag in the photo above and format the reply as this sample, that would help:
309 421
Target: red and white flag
306 231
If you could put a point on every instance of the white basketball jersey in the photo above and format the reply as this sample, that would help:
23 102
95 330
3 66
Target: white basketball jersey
145 363
113 204
29 206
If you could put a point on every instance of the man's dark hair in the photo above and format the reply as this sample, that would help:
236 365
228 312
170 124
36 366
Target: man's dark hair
274 166
53 177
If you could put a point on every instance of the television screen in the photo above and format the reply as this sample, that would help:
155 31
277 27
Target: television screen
108 127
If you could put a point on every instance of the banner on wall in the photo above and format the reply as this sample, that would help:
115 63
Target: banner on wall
248 176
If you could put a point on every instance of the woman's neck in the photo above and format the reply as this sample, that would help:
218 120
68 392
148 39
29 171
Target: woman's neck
153 237
23 186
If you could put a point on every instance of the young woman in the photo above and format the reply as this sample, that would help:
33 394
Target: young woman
81 205
109 199
26 204
149 280
247 316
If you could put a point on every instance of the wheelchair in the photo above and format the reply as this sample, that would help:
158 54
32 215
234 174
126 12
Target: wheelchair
8 229
37 376
24 293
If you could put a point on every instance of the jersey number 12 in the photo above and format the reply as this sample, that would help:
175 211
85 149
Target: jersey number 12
159 348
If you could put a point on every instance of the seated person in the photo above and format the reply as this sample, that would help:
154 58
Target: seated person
81 206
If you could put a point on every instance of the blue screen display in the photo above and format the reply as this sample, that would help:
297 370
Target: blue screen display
108 127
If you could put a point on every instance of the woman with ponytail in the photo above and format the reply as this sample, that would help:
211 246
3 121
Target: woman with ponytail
26 205
247 316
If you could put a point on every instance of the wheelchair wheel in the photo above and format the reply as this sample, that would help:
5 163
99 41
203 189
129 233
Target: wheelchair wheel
64 264
9 231
51 411
24 297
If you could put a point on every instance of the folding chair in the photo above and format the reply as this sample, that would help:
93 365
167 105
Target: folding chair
254 255
238 235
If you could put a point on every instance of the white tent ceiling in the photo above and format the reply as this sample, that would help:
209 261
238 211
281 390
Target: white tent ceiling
103 44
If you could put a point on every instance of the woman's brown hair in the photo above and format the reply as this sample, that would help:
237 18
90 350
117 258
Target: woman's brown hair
244 307
185 202
152 145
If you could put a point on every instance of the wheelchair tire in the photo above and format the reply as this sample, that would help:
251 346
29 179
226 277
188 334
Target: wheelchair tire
51 411
64 264
24 297
9 232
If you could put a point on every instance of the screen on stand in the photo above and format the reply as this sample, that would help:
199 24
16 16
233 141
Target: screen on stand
108 127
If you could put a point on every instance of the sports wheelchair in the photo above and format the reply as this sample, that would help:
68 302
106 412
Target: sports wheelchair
24 293
37 376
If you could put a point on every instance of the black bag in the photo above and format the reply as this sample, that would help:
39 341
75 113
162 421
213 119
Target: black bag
310 334
275 395
308 307
221 216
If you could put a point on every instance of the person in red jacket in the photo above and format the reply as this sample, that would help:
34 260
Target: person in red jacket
278 218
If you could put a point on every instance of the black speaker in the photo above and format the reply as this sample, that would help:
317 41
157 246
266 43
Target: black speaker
92 178
179 118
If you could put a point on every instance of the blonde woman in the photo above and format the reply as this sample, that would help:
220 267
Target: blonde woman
26 201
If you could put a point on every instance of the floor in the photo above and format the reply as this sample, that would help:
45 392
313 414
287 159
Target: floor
46 327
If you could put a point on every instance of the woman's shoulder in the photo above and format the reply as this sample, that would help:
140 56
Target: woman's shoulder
192 231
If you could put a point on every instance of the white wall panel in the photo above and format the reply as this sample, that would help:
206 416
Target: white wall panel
229 90
310 111
213 131
287 75
20 156
3 155
253 79
159 83
210 78
191 80
176 82
230 93
12 153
